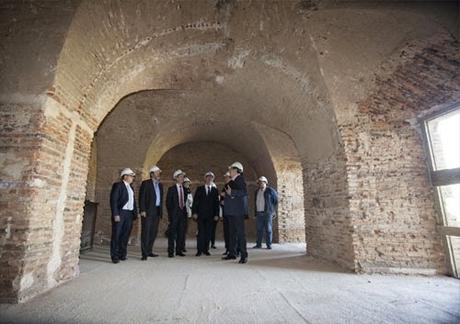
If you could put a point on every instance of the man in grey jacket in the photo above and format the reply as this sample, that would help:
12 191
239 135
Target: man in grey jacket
266 201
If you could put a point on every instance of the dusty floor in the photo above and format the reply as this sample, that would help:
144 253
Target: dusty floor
278 286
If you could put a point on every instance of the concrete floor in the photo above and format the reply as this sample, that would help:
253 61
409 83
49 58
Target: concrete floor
277 286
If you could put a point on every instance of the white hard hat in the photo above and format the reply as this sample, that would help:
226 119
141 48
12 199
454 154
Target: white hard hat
178 173
155 169
187 180
236 165
127 171
262 179
209 173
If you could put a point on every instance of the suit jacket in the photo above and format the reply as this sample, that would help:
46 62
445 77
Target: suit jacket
172 202
271 201
119 197
206 206
148 198
237 202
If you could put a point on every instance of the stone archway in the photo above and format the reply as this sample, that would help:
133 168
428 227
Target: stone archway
146 111
313 87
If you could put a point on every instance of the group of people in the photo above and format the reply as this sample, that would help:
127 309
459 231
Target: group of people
207 206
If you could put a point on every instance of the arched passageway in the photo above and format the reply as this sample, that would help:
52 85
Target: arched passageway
152 127
302 97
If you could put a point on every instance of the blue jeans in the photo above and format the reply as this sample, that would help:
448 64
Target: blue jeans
264 224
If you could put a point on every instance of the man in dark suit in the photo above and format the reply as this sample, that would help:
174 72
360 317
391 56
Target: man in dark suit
236 208
124 211
177 214
225 217
205 211
151 210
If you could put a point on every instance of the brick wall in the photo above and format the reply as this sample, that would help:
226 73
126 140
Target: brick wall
327 218
391 200
19 142
45 162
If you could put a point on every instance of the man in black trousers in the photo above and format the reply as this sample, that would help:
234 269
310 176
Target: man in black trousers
236 208
124 211
225 217
151 211
177 214
205 212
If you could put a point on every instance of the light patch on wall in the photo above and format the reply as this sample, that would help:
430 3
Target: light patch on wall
58 224
11 166
219 79
54 108
26 281
7 235
237 61
133 72
37 183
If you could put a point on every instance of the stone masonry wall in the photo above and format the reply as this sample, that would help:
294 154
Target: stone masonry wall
327 218
45 161
391 200
18 144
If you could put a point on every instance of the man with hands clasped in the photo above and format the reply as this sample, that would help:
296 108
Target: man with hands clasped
205 211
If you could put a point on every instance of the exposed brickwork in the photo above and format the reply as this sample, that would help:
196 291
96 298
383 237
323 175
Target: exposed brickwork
391 203
327 218
19 142
368 203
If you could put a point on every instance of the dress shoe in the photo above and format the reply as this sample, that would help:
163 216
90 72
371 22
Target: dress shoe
115 260
184 250
198 254
170 255
144 258
213 247
229 257
269 247
207 253
180 254
153 255
243 260
257 247
225 253
123 258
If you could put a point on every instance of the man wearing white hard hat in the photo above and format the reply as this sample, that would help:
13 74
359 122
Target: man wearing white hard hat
124 211
177 214
266 200
236 208
205 212
151 211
